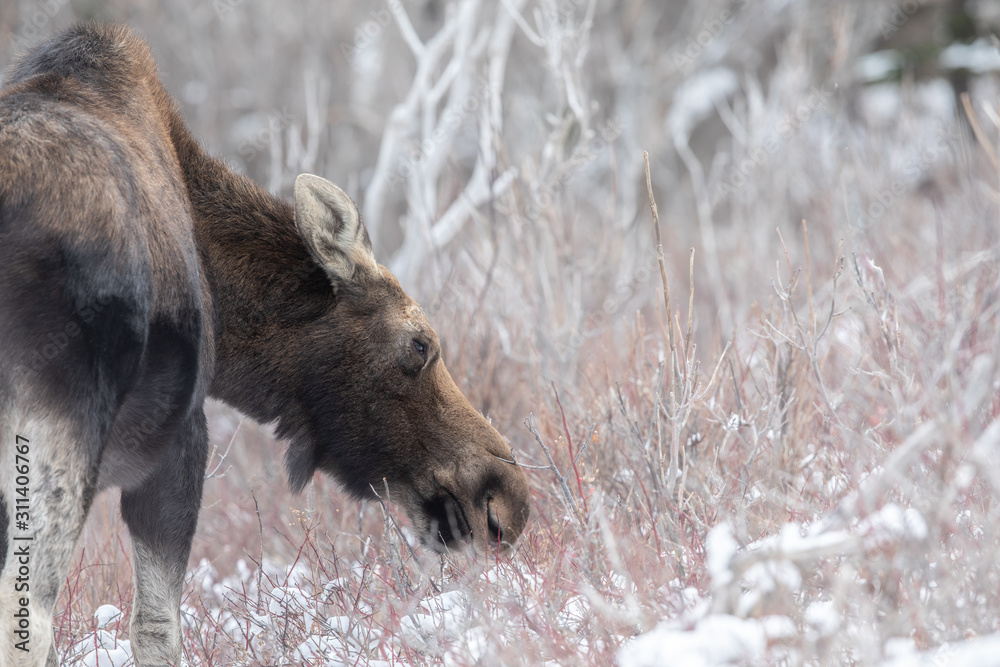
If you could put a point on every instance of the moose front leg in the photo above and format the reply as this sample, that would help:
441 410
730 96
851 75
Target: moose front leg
161 516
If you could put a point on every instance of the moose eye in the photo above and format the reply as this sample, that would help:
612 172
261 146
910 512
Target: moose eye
420 348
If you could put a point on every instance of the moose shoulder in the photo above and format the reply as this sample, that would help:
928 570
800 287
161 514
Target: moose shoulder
137 276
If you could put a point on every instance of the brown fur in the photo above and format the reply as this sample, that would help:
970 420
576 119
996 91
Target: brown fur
138 274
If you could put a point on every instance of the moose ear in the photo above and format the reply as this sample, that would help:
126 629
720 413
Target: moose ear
331 227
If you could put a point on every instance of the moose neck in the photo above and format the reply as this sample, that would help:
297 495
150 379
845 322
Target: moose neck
261 278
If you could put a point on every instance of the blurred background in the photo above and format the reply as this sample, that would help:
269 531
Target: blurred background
495 148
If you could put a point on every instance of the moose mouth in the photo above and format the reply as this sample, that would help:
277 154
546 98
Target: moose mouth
447 525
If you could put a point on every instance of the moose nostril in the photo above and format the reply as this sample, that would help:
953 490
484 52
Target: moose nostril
493 524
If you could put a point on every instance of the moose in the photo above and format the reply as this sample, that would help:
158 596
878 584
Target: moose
139 275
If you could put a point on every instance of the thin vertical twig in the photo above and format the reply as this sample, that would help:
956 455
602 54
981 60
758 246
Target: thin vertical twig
687 336
675 374
555 469
977 129
569 444
809 289
260 567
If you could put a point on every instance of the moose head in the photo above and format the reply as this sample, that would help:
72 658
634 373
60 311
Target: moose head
374 404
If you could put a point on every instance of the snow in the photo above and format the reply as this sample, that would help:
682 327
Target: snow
443 616
102 649
316 648
978 57
778 627
107 614
770 571
880 103
936 96
733 423
720 547
892 524
446 630
978 652
823 617
900 647
792 543
766 578
286 600
719 639
877 66
331 651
